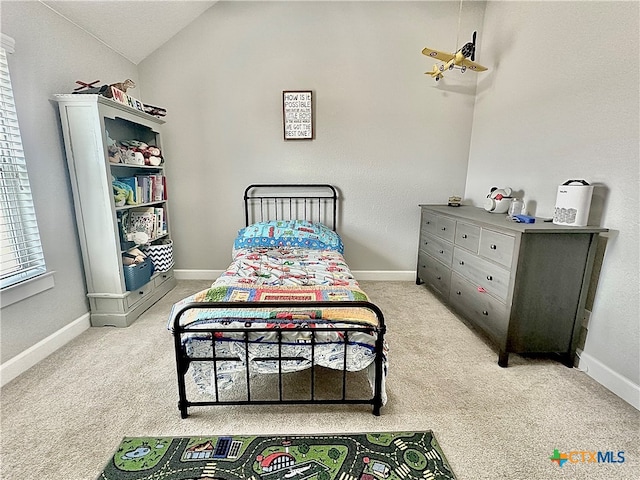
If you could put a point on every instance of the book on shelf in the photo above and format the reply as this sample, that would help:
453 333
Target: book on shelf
147 188
161 224
157 187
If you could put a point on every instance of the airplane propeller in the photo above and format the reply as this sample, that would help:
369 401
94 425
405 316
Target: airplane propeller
473 52
468 50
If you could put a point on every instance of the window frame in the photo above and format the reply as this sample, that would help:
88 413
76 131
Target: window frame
39 282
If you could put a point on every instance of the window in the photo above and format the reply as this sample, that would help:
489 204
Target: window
21 256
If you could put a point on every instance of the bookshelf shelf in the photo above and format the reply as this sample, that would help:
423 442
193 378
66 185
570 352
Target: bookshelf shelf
90 123
149 204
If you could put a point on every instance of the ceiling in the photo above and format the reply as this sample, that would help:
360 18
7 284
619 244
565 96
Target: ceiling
134 29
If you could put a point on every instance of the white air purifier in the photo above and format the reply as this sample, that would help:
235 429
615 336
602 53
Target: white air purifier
573 203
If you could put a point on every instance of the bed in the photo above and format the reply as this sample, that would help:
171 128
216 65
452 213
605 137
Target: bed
287 303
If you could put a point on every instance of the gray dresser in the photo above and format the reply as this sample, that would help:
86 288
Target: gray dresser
522 285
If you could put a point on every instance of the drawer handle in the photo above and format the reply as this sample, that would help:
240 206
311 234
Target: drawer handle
444 228
464 235
441 251
141 292
461 262
439 277
427 222
458 292
493 247
485 313
490 278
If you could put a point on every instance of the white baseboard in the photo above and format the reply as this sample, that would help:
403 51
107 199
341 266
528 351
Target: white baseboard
385 275
382 275
41 350
621 386
197 274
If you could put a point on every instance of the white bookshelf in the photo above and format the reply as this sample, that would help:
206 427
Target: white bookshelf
85 119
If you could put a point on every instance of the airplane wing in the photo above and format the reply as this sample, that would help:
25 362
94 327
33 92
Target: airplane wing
476 67
442 56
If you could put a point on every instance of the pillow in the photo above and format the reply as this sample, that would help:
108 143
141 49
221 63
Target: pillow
289 233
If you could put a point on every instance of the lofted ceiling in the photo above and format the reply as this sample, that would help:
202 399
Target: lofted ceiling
135 28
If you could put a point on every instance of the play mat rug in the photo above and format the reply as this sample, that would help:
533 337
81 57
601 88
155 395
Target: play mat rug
372 456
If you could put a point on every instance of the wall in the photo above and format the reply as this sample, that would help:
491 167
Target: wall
386 135
561 102
51 54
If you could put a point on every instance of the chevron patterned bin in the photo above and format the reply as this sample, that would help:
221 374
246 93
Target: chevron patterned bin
161 255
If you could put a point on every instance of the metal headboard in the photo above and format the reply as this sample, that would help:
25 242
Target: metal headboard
310 201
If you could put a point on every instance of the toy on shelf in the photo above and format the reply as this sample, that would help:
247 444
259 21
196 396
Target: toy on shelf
133 152
84 85
155 111
133 257
140 153
104 90
122 86
121 95
116 153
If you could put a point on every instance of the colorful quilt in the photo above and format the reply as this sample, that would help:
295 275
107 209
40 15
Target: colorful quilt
280 273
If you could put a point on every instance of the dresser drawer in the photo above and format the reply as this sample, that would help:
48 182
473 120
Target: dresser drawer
467 236
446 228
497 247
429 222
434 273
493 278
437 248
481 309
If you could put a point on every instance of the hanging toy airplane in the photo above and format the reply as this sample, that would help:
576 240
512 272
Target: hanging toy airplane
462 59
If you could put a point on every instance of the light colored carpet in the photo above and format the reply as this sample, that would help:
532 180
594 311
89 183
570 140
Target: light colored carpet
63 418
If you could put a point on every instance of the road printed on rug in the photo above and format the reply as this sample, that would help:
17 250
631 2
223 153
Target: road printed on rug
388 455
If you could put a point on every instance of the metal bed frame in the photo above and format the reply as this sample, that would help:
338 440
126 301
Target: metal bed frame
299 206
314 202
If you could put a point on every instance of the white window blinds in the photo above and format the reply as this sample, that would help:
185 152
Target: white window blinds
22 256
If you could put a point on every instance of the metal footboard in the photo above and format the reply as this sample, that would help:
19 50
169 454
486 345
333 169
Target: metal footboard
184 360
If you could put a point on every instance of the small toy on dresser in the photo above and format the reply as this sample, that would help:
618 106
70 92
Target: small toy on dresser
454 201
498 200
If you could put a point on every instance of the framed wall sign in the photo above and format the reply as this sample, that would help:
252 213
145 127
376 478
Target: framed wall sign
297 114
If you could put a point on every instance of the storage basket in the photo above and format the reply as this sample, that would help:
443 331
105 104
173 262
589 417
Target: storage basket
137 275
161 255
